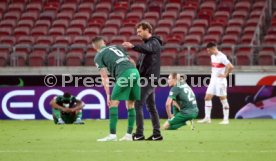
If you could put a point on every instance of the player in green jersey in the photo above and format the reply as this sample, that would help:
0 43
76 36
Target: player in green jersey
66 109
184 103
115 60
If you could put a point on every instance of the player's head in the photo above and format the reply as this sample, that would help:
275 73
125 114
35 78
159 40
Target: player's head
211 48
66 97
144 30
98 43
174 79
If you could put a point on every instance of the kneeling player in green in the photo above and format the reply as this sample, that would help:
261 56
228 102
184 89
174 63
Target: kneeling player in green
66 109
184 104
115 60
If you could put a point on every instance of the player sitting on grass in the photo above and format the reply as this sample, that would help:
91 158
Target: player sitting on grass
67 109
115 60
184 103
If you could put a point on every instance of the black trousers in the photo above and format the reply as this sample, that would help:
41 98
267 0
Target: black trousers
148 97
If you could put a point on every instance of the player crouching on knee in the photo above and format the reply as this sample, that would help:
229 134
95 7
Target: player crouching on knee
66 109
183 100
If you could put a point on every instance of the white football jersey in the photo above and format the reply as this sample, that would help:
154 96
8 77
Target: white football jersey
219 62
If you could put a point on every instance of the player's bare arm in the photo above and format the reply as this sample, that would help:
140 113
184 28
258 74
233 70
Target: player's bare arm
228 69
56 106
79 106
105 82
168 107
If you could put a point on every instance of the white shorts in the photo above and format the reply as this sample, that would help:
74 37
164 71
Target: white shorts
217 88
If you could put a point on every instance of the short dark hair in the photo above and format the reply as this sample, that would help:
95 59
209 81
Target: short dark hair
145 25
66 97
210 45
97 39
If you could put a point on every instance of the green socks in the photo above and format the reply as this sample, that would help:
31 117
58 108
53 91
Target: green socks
113 119
79 115
56 113
131 120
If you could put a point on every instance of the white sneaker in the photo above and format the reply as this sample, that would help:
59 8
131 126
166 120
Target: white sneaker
127 137
110 137
204 121
191 124
60 122
224 122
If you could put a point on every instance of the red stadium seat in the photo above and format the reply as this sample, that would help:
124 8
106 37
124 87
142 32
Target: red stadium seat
82 40
34 6
197 30
39 31
64 23
266 58
173 7
117 16
163 32
216 30
5 31
74 58
37 58
211 38
255 14
73 31
3 7
139 7
252 22
249 30
121 6
155 7
109 31
10 23
45 40
135 39
258 5
86 7
118 40
48 15
246 39
103 7
4 58
235 30
127 31
183 23
130 22
186 14
92 31
26 23
243 5
7 40
26 40
43 23
240 14
244 56
89 59
236 22
16 7
21 58
12 15
20 31
180 31
135 15
68 7
151 21
193 40
153 15
56 58
65 15
230 39
169 15
208 6
222 15
200 23
99 16
78 23
32 15
56 31
203 58
185 57
82 15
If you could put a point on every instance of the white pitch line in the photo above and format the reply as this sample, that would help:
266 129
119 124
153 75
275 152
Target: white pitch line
121 151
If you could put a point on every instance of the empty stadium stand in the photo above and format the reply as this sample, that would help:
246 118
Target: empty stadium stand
59 32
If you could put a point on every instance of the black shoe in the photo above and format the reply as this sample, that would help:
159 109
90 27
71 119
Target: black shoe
137 137
155 138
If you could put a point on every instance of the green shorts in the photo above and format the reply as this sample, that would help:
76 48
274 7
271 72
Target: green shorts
68 119
180 119
127 86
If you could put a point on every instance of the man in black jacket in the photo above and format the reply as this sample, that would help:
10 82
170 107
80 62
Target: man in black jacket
149 67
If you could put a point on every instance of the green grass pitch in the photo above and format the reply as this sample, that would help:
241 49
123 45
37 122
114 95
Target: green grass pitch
245 140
